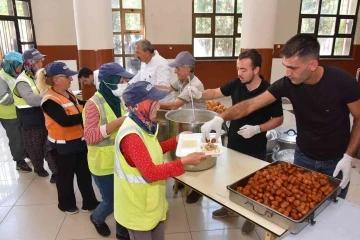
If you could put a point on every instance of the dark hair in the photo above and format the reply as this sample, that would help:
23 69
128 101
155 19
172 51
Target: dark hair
302 45
85 72
146 45
253 55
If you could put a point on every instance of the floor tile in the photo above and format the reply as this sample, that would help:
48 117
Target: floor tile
199 216
40 191
38 222
260 232
176 221
84 228
3 212
8 172
225 234
11 191
178 236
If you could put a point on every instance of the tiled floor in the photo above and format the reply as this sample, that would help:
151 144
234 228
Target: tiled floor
28 209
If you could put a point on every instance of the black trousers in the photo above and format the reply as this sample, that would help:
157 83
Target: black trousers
68 166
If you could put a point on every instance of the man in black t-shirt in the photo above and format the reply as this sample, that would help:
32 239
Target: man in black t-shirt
322 98
248 134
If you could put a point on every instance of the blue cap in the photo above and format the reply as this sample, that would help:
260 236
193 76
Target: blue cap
141 91
32 54
14 56
113 69
58 68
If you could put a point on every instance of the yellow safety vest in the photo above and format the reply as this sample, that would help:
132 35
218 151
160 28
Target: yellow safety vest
18 100
7 111
138 205
101 154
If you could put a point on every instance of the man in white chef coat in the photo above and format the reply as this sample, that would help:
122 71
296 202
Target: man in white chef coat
154 68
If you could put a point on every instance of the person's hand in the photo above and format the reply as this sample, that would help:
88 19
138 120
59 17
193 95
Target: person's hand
184 132
194 92
247 131
344 165
193 158
214 124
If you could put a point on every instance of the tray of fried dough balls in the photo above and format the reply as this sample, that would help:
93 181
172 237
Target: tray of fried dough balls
286 194
215 106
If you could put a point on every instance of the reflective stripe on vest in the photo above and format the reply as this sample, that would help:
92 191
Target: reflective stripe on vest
138 205
18 100
101 154
56 132
129 177
7 111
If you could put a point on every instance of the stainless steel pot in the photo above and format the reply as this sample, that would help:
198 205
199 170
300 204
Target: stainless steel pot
287 138
181 120
163 133
272 138
269 155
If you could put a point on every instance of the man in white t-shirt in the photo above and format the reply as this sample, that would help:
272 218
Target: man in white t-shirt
154 68
184 65
89 77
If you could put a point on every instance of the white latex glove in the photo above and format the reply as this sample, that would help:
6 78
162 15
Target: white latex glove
194 92
344 165
247 131
214 124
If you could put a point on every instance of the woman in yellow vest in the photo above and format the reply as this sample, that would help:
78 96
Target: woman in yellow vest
102 119
11 68
140 173
66 141
31 119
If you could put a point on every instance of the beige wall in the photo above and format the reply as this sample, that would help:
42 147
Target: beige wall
168 22
54 22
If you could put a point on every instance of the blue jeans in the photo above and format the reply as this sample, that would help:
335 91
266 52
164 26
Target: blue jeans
106 207
326 167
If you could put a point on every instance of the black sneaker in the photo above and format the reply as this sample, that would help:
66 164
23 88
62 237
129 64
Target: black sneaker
193 197
53 178
120 237
86 209
42 173
72 211
102 229
22 166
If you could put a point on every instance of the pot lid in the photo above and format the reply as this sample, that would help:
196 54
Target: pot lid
287 135
286 155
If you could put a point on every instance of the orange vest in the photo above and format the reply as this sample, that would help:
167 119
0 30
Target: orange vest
57 133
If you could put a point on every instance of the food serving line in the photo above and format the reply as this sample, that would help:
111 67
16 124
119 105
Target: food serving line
232 166
218 178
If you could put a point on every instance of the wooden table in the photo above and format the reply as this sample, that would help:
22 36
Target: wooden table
231 166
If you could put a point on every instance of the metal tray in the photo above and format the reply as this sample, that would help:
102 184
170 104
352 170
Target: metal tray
293 226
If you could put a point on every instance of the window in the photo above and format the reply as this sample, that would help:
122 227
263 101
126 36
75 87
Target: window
333 22
16 26
216 28
128 28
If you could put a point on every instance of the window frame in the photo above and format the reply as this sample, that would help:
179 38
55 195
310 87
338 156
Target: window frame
15 19
212 35
124 32
336 35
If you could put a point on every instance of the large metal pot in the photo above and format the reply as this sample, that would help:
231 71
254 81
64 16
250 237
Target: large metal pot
163 133
287 138
182 120
272 138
